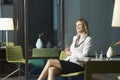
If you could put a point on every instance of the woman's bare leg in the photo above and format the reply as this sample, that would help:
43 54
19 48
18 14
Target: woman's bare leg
50 63
53 71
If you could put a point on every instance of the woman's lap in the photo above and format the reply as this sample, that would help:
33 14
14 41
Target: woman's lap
68 67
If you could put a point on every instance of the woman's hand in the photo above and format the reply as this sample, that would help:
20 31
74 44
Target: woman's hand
67 51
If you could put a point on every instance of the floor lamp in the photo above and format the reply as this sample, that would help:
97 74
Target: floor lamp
116 14
6 24
116 17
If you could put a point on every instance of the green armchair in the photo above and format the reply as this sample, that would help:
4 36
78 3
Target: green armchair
70 75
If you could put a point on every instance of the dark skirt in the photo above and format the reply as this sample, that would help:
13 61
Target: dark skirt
69 67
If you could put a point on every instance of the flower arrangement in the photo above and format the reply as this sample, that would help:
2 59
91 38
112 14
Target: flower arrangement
115 43
111 52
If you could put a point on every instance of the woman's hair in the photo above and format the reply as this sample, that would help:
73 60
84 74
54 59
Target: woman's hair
85 25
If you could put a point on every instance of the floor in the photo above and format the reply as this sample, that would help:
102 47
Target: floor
14 78
95 77
106 77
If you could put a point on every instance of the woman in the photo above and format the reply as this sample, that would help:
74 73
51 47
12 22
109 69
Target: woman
79 49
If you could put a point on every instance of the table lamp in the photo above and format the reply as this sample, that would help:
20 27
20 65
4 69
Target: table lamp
5 25
116 14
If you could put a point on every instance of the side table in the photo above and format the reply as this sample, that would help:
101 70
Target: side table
100 67
45 52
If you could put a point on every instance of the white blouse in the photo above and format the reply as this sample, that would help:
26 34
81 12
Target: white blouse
80 51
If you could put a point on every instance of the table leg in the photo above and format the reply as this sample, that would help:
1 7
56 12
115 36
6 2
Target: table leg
88 76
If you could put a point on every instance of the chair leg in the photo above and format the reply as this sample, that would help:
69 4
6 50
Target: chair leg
19 72
10 74
18 69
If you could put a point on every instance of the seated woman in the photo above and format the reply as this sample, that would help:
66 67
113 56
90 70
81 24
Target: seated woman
79 49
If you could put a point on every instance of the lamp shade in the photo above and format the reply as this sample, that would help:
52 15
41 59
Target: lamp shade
6 24
116 14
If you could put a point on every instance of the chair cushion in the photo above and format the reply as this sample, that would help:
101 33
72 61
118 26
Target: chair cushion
36 62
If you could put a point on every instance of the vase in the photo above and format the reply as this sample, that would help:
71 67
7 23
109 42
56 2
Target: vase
110 53
39 43
49 45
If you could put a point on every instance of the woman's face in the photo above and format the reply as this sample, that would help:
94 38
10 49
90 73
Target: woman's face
79 27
